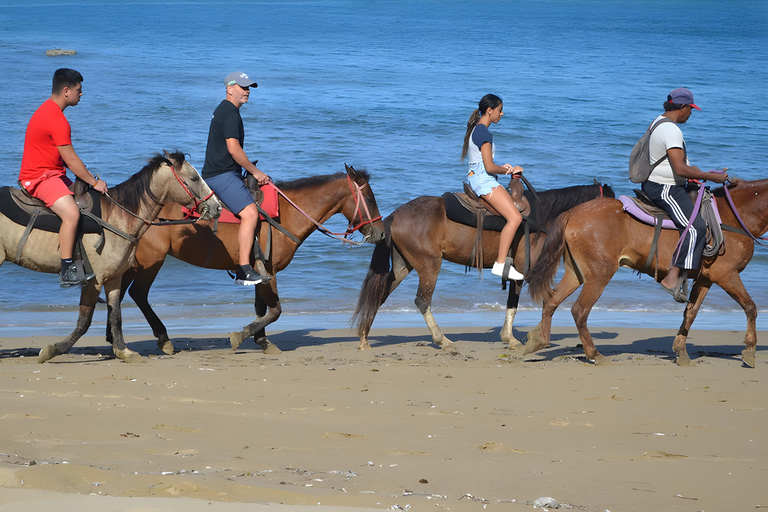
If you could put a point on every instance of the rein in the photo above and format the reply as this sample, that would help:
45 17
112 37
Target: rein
357 191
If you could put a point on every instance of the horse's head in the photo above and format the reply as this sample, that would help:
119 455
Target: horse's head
360 208
192 191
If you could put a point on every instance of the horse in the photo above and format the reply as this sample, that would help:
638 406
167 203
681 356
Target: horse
200 244
127 211
598 237
419 235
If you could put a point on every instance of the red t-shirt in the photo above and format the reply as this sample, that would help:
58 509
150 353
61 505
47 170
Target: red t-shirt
47 129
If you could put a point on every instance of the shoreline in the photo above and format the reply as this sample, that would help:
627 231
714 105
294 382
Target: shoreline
61 323
326 426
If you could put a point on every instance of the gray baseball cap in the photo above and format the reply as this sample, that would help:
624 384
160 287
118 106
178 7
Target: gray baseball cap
239 78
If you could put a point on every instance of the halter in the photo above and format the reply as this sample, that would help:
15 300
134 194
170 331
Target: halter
738 217
357 192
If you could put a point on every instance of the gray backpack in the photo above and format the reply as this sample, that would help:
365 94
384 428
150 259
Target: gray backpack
640 158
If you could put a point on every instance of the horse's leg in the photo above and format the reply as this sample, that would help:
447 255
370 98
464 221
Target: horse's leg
271 309
539 336
513 299
427 279
735 288
700 289
593 289
88 297
261 308
137 281
115 319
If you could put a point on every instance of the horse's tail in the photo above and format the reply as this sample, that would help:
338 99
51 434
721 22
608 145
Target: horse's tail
541 275
376 286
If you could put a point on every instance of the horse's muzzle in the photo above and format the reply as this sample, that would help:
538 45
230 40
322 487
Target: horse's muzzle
207 212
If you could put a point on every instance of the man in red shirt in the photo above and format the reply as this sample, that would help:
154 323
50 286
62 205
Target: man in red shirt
48 152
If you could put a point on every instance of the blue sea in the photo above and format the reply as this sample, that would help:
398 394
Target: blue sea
387 86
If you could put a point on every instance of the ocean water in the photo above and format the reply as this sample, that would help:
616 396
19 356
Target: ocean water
387 86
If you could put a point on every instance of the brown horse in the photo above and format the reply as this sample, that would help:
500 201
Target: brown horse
419 235
198 244
598 237
134 205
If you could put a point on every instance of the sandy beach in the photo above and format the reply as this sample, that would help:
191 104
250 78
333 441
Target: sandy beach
323 426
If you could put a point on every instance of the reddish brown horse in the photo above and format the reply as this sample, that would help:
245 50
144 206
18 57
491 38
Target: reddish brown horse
319 196
598 237
419 236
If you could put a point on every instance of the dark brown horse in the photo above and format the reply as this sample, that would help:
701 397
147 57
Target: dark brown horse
319 196
133 206
419 236
598 237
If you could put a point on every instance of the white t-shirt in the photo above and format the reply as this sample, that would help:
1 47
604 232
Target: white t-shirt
664 137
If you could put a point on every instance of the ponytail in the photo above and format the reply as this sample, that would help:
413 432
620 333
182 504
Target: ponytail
473 120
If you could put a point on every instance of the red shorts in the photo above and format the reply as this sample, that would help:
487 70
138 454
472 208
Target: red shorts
49 189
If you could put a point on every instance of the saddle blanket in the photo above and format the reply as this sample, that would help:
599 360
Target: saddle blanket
638 213
46 220
270 205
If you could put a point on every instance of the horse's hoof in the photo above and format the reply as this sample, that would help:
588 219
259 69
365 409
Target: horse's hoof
449 348
46 354
601 360
514 345
129 356
533 346
364 346
165 346
271 349
235 340
683 359
748 357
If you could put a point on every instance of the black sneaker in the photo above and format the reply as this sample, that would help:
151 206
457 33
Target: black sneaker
69 276
247 277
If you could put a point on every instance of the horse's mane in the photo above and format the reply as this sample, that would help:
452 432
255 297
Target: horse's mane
314 181
553 202
135 191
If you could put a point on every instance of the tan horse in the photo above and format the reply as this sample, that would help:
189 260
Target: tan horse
320 197
598 237
135 203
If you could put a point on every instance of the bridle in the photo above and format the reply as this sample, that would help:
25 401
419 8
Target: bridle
357 192
164 222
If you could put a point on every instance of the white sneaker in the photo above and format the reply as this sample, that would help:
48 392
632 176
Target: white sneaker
512 275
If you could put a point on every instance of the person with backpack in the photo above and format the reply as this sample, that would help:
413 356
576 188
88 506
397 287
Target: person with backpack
666 184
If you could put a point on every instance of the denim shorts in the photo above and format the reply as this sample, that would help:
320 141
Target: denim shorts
480 181
230 187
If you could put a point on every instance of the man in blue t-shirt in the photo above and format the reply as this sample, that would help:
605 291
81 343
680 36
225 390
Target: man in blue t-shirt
224 161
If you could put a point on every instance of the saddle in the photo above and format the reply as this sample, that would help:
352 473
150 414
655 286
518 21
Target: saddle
469 209
23 209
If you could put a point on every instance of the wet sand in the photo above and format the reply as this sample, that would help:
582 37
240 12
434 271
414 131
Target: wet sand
323 426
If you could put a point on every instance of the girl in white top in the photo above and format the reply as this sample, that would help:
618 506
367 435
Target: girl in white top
478 143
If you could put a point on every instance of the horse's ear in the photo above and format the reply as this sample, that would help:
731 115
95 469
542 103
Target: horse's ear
595 181
350 170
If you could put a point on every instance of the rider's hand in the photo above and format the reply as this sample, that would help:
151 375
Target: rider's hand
100 186
261 178
718 177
